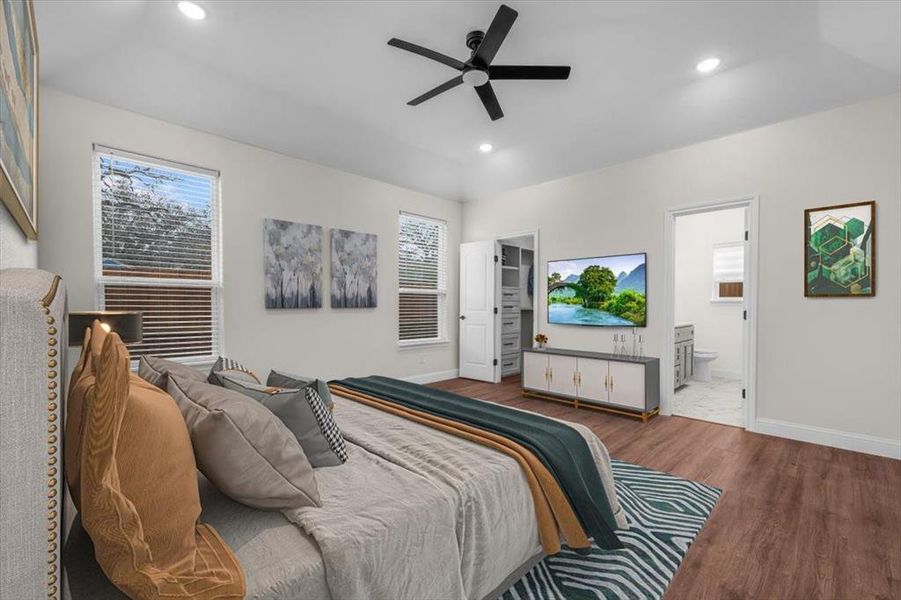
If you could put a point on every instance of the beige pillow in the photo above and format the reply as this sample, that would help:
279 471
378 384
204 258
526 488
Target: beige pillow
243 448
138 481
155 370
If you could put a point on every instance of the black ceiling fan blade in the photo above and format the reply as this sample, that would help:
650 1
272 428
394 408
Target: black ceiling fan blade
486 94
438 90
495 35
527 72
437 56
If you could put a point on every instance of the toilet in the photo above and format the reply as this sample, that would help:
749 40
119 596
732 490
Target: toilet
702 360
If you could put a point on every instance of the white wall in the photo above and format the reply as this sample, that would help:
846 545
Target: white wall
718 325
255 184
16 250
830 364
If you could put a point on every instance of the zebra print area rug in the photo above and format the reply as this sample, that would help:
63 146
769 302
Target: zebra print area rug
665 515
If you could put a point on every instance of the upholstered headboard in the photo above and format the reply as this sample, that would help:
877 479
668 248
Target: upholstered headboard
33 340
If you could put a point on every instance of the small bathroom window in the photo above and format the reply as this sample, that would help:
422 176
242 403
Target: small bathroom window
728 272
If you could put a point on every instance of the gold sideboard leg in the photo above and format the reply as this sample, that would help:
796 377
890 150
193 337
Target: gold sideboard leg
644 416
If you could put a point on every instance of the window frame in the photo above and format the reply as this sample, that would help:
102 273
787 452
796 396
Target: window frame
440 291
715 287
214 284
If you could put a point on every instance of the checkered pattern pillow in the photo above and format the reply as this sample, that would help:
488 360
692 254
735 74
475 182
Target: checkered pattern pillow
326 423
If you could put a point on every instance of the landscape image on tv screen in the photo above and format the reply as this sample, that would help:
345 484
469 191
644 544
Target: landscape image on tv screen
607 291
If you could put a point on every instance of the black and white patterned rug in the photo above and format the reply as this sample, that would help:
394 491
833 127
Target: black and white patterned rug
665 515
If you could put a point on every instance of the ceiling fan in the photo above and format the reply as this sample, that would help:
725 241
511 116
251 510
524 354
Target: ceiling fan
478 70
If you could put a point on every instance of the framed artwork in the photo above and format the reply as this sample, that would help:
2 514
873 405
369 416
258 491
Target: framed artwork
19 113
840 250
292 257
354 269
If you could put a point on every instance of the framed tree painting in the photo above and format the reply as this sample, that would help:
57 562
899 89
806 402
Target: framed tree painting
292 261
840 250
354 269
19 113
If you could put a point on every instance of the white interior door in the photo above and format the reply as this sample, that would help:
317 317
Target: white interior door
478 297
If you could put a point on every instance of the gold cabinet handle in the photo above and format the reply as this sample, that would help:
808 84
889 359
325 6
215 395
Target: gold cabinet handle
575 378
551 370
606 382
611 383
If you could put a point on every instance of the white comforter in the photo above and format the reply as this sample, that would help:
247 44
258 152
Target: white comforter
417 513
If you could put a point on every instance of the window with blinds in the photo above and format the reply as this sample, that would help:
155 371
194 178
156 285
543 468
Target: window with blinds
728 271
422 278
156 250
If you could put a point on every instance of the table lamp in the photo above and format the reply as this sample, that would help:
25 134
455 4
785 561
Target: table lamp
128 324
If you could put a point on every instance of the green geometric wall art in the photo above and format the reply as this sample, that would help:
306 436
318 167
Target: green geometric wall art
840 250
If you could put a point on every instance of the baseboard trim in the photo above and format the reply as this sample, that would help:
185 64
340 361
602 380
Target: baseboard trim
727 373
845 440
432 377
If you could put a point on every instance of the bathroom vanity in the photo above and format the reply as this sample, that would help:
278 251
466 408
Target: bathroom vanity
684 354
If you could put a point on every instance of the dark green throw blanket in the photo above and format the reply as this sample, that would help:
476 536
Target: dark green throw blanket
561 448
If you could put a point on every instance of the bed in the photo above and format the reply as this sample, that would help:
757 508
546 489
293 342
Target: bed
415 512
398 475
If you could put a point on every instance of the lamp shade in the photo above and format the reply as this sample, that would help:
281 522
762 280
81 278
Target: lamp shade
128 324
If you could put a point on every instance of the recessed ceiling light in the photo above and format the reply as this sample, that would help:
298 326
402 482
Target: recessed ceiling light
708 64
486 147
191 10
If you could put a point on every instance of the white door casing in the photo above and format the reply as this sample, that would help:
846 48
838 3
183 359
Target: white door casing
478 297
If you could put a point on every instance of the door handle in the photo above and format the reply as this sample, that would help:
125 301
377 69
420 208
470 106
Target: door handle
607 382
462 317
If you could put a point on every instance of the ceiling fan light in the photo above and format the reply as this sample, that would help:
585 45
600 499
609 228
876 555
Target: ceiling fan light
475 77
485 148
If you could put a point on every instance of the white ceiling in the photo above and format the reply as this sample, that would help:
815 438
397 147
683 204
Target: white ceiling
317 80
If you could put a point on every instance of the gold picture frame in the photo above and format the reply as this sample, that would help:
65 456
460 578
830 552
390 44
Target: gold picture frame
19 113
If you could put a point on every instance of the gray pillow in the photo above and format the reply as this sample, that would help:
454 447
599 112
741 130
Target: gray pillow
232 367
304 413
286 380
243 448
154 370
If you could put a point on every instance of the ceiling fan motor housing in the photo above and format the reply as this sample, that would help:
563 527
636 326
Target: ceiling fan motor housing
474 38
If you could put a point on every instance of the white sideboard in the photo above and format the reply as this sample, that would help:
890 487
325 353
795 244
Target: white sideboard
627 386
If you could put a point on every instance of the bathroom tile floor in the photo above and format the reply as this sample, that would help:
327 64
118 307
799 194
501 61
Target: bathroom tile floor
718 400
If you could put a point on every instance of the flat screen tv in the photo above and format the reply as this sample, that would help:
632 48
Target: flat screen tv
606 291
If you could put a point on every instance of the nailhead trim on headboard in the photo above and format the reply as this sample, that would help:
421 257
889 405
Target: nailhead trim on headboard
53 508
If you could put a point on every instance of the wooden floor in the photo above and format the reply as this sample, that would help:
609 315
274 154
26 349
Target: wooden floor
796 521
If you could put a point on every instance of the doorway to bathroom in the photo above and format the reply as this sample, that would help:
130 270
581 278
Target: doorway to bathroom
710 291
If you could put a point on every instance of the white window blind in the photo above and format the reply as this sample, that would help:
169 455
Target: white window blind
422 275
728 270
157 250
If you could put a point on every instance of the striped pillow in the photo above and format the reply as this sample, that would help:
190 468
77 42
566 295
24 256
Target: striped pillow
231 367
